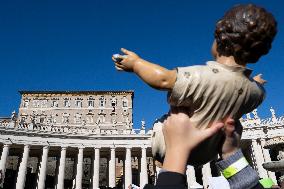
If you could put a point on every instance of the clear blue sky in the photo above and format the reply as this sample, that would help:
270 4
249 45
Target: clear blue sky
67 45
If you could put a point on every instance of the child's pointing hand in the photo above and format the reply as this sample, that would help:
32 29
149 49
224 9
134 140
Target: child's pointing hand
125 62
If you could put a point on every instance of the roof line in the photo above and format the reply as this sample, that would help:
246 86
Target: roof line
73 92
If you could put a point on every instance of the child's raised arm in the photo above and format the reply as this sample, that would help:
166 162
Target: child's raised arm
154 75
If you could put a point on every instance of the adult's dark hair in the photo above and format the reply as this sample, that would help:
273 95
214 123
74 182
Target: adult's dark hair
245 32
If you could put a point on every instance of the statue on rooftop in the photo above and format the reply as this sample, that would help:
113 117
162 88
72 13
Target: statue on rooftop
143 125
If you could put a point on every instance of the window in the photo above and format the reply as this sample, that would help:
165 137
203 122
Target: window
91 102
25 103
23 119
54 103
48 120
78 118
90 119
44 103
41 120
113 104
113 101
36 103
101 119
102 101
66 102
124 102
79 103
65 118
54 116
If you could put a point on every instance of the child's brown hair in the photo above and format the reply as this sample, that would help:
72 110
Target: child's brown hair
246 33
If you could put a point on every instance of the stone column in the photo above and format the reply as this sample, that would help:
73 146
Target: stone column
42 169
267 158
111 166
143 173
4 157
61 171
191 178
21 179
259 159
128 168
79 174
206 173
96 172
281 181
157 171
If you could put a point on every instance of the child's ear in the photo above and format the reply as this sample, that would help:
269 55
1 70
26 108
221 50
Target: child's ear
214 49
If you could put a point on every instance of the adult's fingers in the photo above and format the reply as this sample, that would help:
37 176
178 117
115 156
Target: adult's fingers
215 127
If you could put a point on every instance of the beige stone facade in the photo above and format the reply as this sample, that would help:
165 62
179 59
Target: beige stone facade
97 109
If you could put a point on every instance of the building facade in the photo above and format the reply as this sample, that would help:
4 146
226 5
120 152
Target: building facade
86 139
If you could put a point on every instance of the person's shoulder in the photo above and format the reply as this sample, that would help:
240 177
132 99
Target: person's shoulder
149 186
194 69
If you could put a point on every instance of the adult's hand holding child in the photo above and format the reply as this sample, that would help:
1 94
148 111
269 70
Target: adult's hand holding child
181 137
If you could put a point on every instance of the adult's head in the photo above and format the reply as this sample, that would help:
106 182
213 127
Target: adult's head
245 32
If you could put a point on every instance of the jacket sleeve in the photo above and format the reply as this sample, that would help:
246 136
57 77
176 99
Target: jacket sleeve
247 178
169 180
